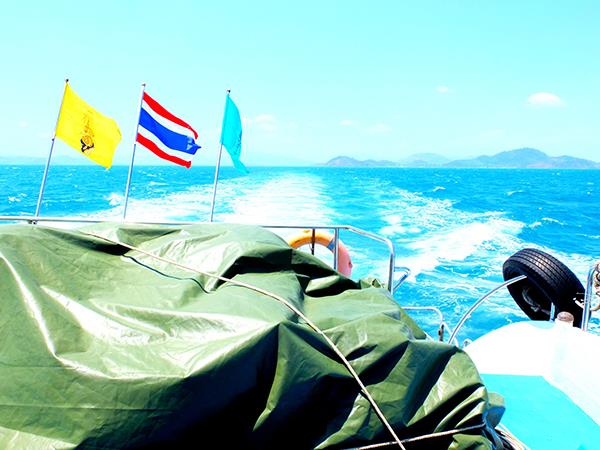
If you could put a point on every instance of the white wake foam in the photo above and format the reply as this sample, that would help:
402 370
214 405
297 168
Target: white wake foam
298 199
458 244
191 204
284 199
431 232
114 199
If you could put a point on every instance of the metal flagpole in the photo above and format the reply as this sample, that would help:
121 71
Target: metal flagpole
43 185
135 136
212 205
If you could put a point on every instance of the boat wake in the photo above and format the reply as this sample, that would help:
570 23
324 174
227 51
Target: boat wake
273 200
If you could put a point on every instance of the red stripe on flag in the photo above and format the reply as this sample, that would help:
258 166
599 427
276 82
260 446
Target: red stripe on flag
158 109
161 154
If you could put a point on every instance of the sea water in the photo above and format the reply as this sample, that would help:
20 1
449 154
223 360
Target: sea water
452 227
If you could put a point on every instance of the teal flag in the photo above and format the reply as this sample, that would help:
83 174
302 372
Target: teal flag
231 134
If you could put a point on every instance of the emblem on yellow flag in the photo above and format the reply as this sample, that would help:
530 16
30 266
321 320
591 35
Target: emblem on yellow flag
86 130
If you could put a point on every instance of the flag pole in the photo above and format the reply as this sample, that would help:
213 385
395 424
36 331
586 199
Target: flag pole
43 185
214 195
135 136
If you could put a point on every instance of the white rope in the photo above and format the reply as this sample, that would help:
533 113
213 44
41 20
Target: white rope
424 437
504 434
286 303
508 438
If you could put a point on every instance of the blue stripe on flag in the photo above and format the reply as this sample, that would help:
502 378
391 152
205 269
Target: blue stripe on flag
171 139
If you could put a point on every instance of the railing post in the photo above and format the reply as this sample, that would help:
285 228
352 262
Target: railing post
336 242
593 275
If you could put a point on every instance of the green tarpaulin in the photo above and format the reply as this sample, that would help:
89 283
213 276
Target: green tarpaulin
105 347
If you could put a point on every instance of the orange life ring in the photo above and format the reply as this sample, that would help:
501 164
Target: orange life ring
327 240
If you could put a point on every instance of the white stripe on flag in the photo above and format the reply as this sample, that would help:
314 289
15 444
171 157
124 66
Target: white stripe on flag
148 135
167 123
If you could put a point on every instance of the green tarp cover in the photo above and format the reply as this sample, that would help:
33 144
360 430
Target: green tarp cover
104 347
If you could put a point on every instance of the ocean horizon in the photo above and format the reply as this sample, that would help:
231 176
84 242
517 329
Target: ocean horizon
452 227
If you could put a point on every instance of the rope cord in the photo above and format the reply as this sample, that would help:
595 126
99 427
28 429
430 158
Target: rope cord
424 437
510 439
280 299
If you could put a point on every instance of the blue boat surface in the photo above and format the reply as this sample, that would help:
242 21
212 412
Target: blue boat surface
547 374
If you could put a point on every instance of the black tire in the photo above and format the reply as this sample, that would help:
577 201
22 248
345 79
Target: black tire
548 281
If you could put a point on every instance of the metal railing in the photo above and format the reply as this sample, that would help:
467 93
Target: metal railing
592 288
403 274
442 322
478 303
336 233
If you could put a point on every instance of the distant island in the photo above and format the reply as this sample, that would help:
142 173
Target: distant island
522 158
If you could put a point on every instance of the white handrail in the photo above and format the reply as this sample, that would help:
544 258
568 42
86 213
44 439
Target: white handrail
476 305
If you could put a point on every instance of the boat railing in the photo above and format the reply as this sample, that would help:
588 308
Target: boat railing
401 274
391 285
442 327
391 268
395 275
477 304
592 289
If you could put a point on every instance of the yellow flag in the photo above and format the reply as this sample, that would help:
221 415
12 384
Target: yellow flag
86 130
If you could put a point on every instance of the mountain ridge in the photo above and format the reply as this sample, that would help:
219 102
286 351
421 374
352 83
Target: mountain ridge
521 158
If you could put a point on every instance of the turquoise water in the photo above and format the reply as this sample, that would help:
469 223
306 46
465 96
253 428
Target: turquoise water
452 227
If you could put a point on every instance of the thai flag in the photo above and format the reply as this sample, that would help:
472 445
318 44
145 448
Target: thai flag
165 135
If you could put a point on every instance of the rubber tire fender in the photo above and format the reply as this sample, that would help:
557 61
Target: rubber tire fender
548 281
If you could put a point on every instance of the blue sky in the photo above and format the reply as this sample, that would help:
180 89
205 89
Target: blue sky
313 79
